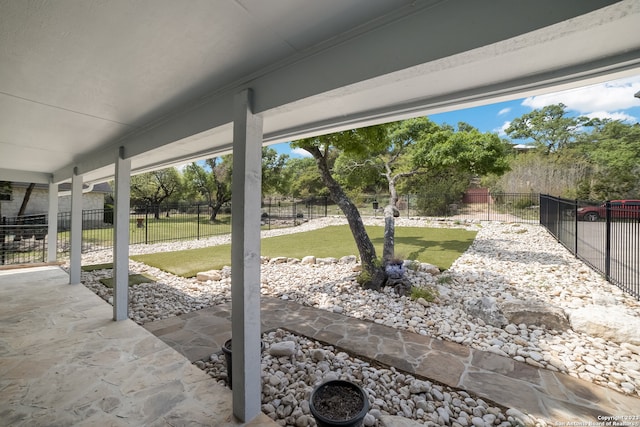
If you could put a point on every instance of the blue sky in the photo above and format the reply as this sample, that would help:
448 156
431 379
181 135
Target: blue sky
614 100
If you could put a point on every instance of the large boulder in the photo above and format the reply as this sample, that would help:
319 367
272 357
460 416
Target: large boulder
608 322
487 309
535 313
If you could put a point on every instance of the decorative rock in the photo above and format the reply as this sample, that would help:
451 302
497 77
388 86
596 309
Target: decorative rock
609 323
535 313
213 275
522 418
309 259
279 260
429 268
486 309
423 302
326 261
318 355
348 259
511 328
395 421
283 348
369 420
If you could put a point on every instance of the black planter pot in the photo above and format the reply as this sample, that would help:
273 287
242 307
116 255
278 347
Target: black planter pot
226 349
338 403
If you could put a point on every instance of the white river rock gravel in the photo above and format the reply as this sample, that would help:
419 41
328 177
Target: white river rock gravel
506 261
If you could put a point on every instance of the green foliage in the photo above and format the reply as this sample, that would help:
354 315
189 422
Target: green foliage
466 149
549 127
274 178
437 193
614 151
444 279
153 188
363 278
304 180
588 159
210 181
427 293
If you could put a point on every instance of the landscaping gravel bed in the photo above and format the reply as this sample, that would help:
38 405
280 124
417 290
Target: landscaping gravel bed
507 262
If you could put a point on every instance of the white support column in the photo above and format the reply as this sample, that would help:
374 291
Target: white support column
52 222
75 260
121 238
245 258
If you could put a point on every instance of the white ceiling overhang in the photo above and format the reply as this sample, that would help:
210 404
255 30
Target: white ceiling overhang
78 79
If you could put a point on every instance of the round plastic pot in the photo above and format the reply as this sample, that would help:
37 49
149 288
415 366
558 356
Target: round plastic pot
330 389
226 349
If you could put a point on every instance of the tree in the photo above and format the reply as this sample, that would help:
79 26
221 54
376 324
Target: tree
613 150
400 150
212 181
153 188
274 180
320 148
548 127
303 179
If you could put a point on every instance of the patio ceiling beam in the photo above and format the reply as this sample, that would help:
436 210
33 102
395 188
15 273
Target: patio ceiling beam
25 176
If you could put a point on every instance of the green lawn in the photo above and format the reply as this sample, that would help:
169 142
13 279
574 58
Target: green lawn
438 246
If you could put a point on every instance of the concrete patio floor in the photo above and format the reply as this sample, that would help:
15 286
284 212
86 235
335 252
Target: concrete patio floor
64 362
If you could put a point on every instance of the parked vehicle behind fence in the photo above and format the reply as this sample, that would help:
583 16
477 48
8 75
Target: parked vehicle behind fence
618 209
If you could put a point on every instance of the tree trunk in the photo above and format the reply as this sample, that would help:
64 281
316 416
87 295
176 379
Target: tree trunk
25 199
388 249
214 212
370 263
390 213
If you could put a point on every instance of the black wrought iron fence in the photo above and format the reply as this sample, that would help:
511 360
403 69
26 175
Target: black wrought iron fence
287 212
23 239
512 207
608 242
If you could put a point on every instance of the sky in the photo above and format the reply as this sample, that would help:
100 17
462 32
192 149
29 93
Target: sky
614 100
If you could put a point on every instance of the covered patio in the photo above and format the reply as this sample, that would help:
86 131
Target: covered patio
93 91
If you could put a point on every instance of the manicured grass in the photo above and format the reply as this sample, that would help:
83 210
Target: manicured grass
438 246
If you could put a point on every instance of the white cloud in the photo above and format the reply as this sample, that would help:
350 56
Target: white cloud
504 111
612 116
501 131
610 96
300 152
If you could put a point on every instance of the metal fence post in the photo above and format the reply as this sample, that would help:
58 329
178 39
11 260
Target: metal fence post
295 205
146 225
198 227
575 220
2 243
607 250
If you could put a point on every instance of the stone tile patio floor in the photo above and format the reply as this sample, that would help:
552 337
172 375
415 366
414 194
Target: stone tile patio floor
64 362
558 398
